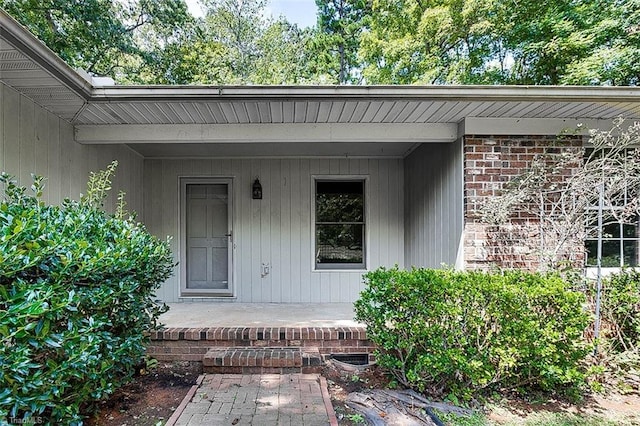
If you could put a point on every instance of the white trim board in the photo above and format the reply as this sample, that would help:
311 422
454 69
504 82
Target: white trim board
273 132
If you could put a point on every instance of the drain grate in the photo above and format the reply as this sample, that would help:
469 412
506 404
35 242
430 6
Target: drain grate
353 359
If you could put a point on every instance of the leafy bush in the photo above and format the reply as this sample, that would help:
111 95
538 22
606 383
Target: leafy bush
461 332
618 357
621 309
75 301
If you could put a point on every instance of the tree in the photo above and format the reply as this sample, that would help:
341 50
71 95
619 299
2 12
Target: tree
285 55
100 36
238 45
543 39
236 25
614 55
189 58
499 42
586 42
340 25
426 42
164 44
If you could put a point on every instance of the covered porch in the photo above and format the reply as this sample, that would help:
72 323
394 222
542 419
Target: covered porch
203 151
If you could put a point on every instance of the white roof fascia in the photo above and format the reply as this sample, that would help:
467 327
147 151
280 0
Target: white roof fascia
451 93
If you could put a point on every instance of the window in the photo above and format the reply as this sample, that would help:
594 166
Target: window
339 224
620 231
619 245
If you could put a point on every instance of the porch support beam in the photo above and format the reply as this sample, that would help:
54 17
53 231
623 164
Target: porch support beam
529 126
277 132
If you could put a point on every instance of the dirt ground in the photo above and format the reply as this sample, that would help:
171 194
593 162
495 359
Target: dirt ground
153 397
613 407
150 398
341 382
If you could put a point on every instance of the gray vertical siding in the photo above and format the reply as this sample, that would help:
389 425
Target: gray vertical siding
433 205
32 140
277 229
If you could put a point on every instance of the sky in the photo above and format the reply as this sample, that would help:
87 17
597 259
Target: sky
301 12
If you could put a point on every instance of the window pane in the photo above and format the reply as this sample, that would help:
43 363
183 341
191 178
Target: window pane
339 244
630 253
611 230
610 253
630 231
340 201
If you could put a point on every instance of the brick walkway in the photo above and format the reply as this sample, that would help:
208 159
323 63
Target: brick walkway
258 399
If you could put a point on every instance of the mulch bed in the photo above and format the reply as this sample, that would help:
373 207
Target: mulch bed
150 398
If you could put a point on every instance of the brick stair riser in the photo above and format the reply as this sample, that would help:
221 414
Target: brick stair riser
260 333
261 360
192 344
261 370
188 351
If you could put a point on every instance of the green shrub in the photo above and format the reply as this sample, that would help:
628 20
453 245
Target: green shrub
621 309
452 332
75 301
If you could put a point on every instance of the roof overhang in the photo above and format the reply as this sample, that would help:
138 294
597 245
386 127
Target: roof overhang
147 117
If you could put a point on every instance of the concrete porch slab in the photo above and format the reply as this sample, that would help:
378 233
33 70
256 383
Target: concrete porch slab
211 314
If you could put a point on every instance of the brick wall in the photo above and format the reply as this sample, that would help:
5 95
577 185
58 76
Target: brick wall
489 163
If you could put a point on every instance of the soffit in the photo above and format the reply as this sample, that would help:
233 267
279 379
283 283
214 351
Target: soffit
361 104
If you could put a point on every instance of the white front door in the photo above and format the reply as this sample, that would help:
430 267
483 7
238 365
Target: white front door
206 237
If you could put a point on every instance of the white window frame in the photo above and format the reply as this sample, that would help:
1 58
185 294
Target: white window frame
340 267
591 269
619 240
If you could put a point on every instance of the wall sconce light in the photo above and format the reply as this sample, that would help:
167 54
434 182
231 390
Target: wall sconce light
256 192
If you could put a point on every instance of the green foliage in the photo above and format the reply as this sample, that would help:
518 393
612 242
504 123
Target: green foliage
621 309
496 42
340 26
236 44
582 42
415 42
75 301
104 37
285 55
453 419
563 419
459 333
356 418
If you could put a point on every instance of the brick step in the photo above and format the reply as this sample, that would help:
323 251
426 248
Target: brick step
261 360
265 334
190 344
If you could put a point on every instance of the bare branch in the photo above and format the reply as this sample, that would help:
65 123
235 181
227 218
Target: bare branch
560 192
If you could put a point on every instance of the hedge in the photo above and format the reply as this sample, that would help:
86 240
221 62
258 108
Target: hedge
76 288
460 333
